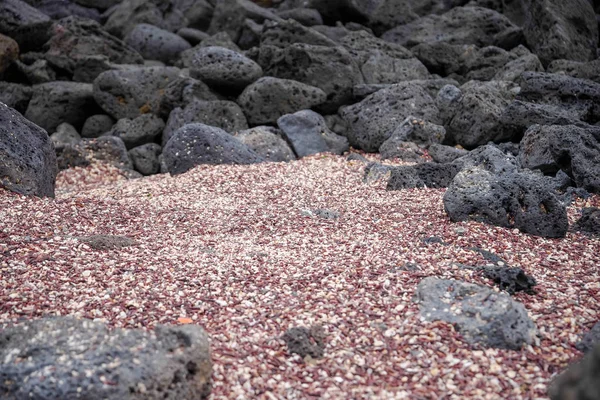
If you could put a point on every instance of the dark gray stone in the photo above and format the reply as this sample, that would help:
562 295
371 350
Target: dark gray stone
15 95
222 68
305 16
513 69
97 125
192 36
129 13
154 43
419 131
38 72
589 222
461 25
198 13
444 154
196 144
304 341
375 171
65 134
481 315
561 29
269 98
99 4
145 158
491 158
92 361
590 339
582 70
229 16
109 149
106 242
57 9
27 157
221 114
181 92
395 148
372 121
430 175
509 279
477 112
580 380
284 33
22 22
268 143
572 149
132 92
518 116
75 40
513 200
308 134
55 102
138 131
331 69
557 88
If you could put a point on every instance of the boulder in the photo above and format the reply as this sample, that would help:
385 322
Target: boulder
513 69
145 158
138 131
305 16
132 92
559 89
57 9
224 69
331 69
476 113
15 95
22 22
181 92
372 121
65 134
589 222
269 98
192 36
129 13
511 200
196 144
284 33
92 361
582 70
229 16
430 175
96 125
56 102
574 150
444 154
9 52
591 337
579 380
267 142
75 41
401 150
308 134
481 315
109 149
27 157
511 280
491 158
198 13
220 113
461 25
417 130
154 43
561 29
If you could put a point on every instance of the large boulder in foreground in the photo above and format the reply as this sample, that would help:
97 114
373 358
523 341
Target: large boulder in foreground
482 315
196 144
66 358
27 157
511 200
581 381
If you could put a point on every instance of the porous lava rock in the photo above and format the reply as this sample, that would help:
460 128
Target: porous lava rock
267 142
154 43
579 380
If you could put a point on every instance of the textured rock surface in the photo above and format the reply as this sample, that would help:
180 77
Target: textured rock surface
267 142
580 380
486 317
91 361
196 144
223 68
154 43
27 157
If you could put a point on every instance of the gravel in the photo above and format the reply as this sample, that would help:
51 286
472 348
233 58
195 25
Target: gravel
229 248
